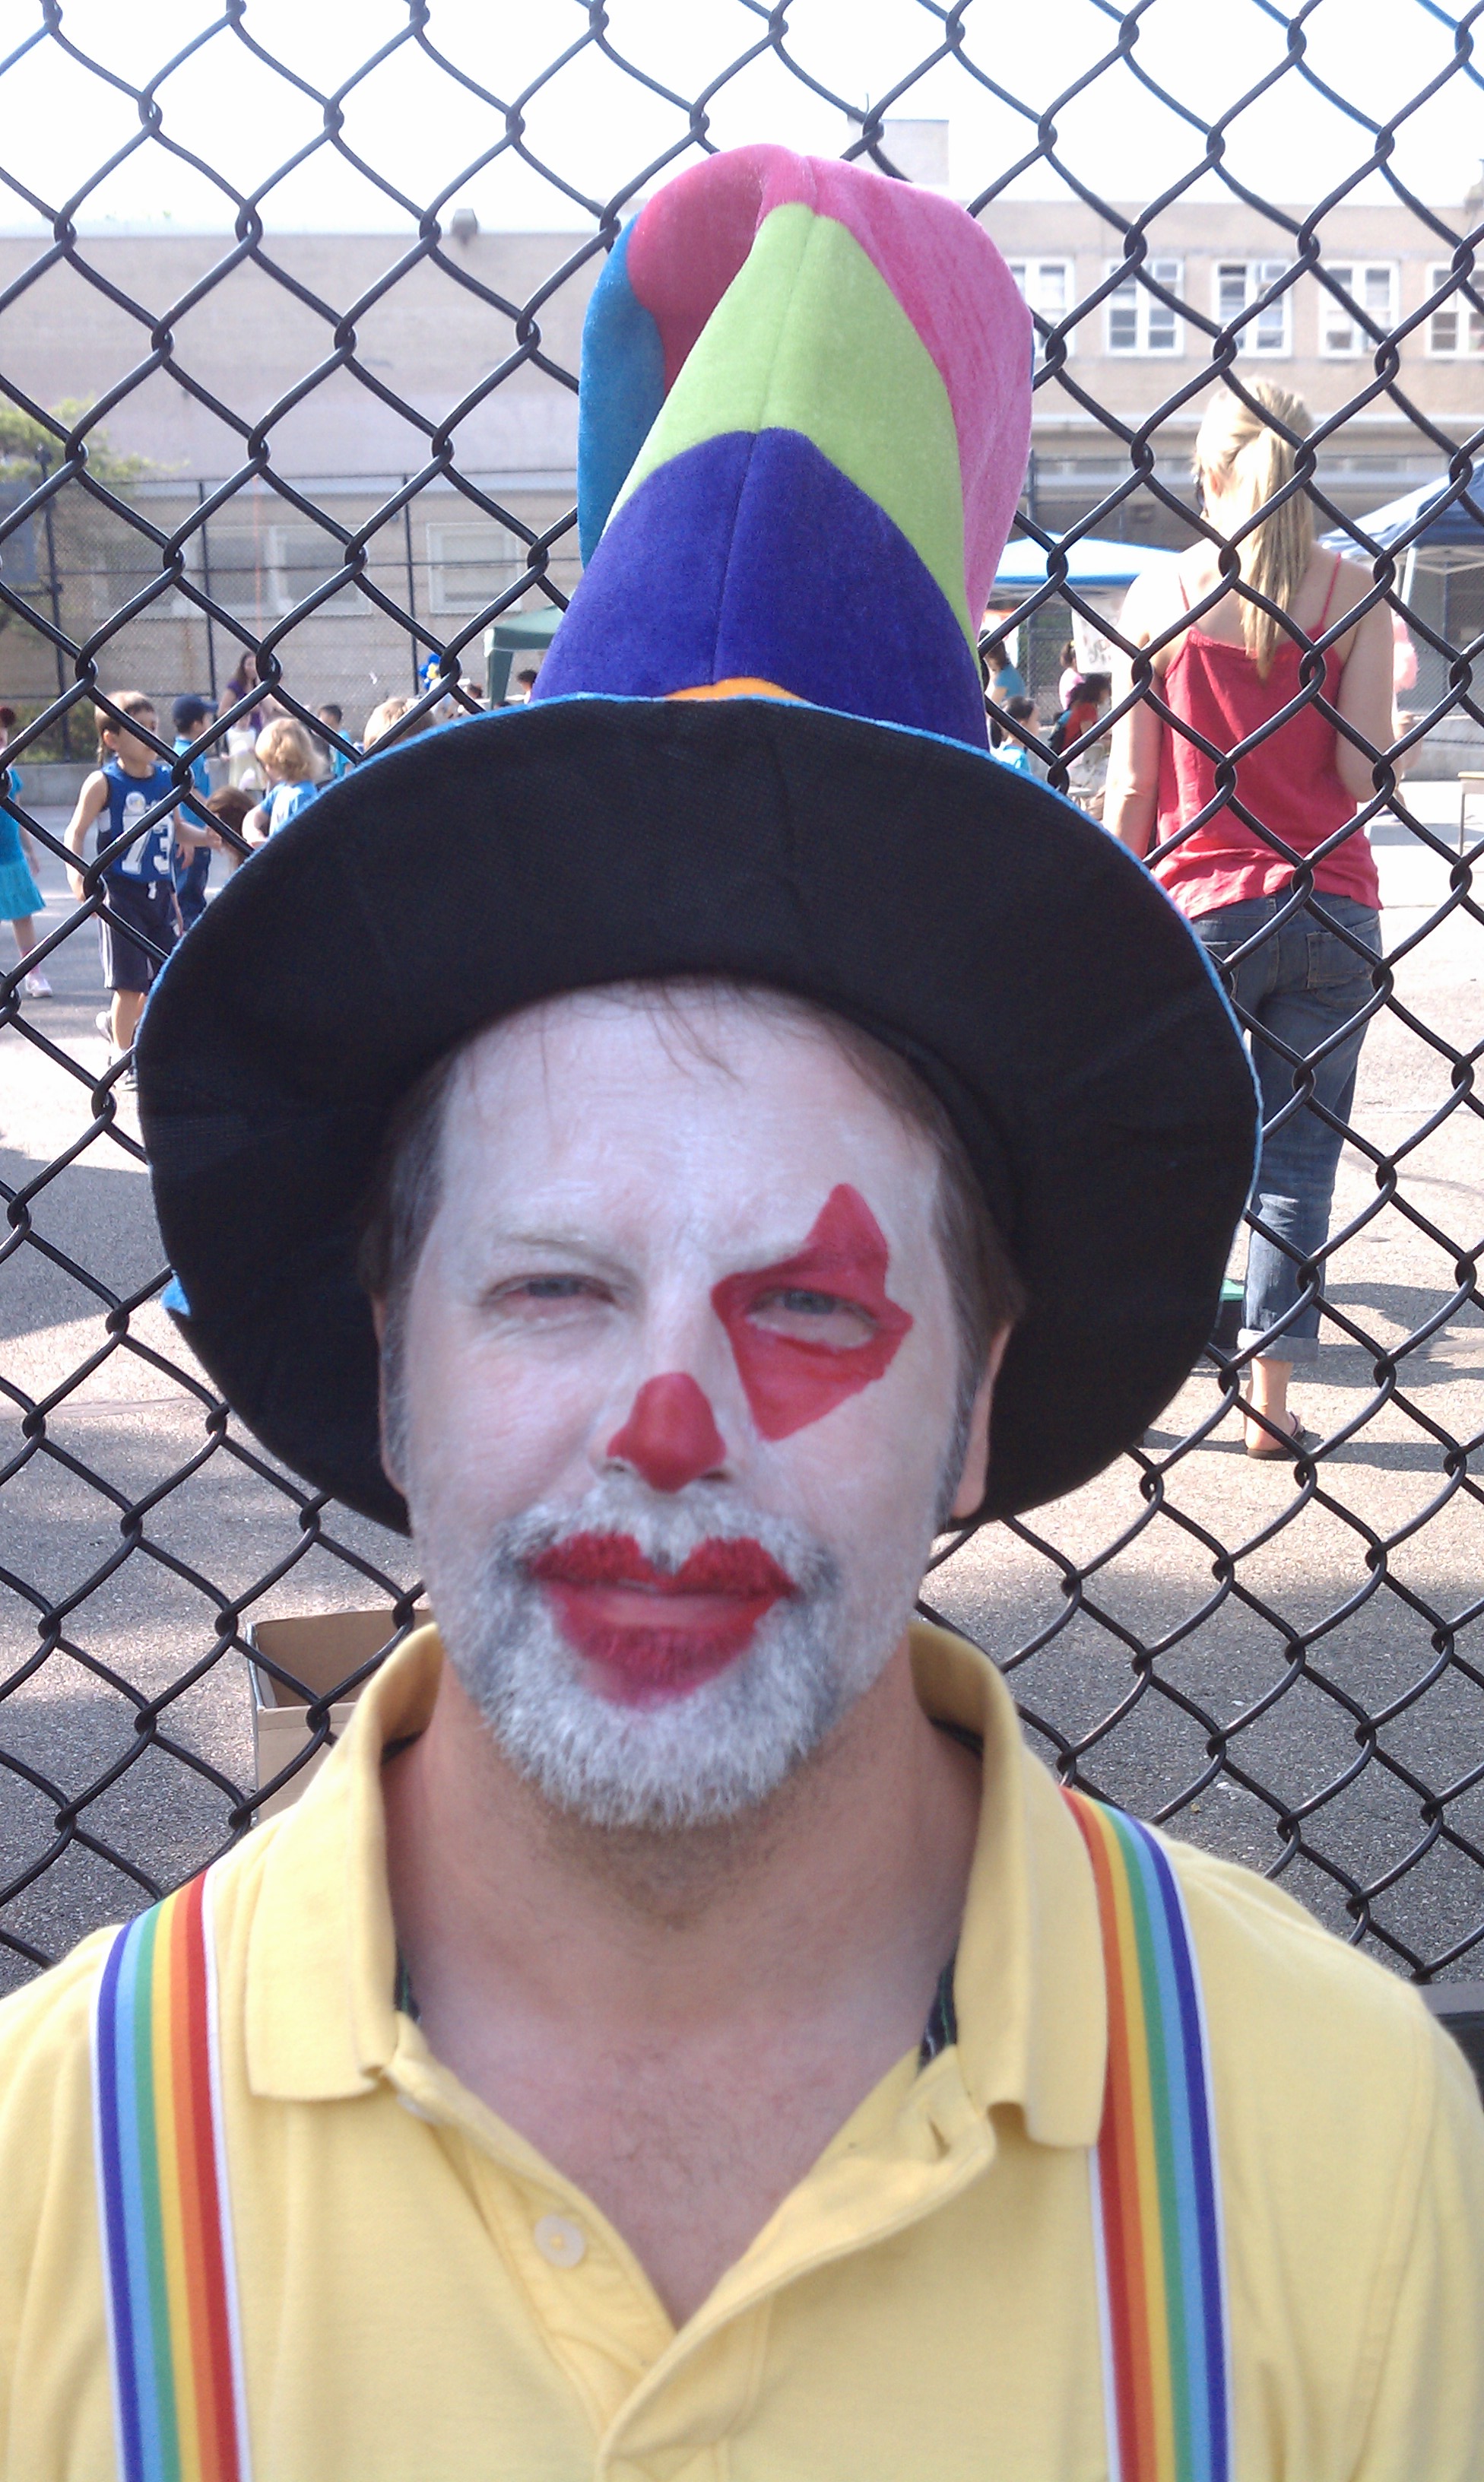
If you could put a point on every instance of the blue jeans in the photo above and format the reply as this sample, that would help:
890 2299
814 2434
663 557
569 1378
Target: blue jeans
1300 992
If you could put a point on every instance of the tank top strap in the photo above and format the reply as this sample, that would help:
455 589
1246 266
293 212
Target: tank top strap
1334 581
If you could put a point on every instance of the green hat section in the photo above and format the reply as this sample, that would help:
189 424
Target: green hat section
787 348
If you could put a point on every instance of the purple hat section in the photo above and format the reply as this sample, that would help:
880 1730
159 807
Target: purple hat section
841 611
687 245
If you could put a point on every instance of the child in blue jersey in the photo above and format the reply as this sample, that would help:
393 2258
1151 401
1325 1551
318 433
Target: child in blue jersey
191 866
287 760
332 718
140 921
1003 746
21 898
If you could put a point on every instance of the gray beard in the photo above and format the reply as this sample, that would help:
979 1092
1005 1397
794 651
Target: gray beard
695 1760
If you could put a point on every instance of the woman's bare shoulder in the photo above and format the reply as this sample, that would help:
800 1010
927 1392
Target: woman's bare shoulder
1153 601
1352 584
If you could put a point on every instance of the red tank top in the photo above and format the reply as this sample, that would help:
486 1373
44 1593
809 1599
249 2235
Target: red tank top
1289 781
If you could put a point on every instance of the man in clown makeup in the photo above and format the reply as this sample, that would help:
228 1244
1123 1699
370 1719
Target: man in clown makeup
683 2035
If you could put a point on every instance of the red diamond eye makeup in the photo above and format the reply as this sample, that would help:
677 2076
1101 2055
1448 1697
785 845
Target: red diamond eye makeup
817 1327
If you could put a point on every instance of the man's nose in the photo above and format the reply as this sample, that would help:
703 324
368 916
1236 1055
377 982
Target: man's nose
670 1436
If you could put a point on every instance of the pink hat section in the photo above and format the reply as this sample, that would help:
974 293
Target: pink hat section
690 240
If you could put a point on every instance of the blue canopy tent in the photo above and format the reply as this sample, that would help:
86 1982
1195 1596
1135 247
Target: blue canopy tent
1442 578
1099 573
1451 536
1092 560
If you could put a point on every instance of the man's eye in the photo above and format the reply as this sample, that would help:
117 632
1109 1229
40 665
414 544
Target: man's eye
538 1293
813 1318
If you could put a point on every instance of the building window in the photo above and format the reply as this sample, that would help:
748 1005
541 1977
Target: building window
1045 284
1455 330
300 559
470 564
1239 284
1138 323
1371 285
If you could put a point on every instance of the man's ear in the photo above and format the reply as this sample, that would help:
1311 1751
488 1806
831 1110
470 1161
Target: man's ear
974 1481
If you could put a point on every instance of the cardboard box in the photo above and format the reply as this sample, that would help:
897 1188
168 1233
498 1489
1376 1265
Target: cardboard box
319 1652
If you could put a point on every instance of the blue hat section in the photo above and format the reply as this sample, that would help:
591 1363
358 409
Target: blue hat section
622 392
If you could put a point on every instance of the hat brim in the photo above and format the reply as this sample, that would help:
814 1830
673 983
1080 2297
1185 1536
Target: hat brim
1020 958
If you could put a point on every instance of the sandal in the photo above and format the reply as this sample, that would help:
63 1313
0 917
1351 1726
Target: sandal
1297 1440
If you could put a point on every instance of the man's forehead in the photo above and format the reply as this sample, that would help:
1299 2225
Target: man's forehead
752 1090
690 1037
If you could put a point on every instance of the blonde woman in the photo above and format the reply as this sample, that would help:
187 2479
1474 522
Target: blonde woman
1301 989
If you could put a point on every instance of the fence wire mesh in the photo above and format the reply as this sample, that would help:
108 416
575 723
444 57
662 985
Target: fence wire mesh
1285 1660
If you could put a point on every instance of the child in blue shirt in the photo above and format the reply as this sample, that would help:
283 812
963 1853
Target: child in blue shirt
1003 746
332 718
141 922
21 898
192 867
285 756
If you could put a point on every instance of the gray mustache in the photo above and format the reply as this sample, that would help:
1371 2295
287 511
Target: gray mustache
667 1528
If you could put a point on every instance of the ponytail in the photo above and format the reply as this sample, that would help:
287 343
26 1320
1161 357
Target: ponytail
1254 461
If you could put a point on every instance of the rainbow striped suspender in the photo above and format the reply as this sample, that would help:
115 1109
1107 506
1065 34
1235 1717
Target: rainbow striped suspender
166 2217
1156 2200
164 2213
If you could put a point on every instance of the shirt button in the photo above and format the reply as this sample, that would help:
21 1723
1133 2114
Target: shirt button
561 2241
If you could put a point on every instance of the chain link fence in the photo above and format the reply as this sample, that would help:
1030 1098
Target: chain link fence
1283 1660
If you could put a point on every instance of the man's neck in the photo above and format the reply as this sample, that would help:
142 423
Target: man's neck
863 1851
770 1973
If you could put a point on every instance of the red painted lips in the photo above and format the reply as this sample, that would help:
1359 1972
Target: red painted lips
658 1632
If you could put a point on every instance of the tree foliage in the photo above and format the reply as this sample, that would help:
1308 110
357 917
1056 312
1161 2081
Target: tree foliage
29 448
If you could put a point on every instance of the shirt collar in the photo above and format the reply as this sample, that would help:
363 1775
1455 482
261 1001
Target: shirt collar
321 1957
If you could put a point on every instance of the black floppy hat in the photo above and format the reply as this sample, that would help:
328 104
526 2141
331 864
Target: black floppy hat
1024 963
757 749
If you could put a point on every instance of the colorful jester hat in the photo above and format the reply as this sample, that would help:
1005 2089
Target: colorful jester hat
756 752
804 417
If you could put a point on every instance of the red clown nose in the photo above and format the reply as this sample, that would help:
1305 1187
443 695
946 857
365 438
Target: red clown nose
670 1436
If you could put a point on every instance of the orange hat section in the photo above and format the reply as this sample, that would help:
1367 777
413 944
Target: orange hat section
739 686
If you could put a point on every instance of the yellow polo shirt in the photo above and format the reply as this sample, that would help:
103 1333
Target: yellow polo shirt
425 2299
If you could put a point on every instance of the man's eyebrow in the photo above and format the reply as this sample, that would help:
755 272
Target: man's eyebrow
806 1258
556 1241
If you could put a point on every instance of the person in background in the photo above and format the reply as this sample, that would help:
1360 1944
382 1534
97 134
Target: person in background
1087 771
287 760
1009 751
1082 711
192 867
337 764
1301 993
1004 681
142 919
1070 680
242 735
21 898
231 807
525 683
381 719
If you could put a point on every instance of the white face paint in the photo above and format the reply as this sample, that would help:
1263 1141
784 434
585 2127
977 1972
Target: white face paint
680 1372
